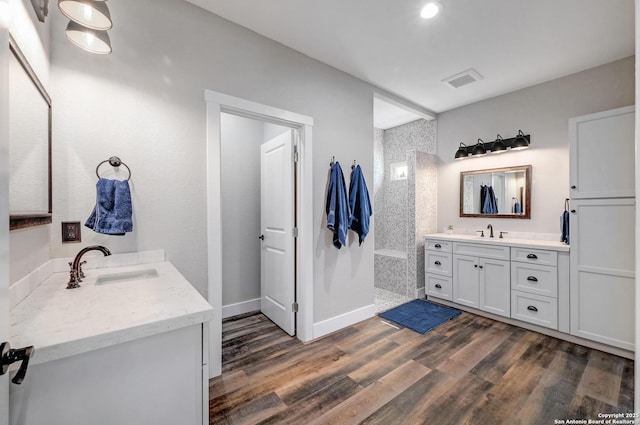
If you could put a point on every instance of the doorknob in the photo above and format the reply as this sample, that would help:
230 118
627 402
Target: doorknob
261 237
9 356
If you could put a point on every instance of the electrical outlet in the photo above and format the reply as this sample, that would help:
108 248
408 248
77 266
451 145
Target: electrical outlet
71 231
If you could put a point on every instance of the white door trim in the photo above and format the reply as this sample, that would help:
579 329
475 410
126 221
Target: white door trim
220 102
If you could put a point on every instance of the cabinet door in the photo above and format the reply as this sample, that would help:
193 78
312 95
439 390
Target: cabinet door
602 277
495 286
466 284
602 154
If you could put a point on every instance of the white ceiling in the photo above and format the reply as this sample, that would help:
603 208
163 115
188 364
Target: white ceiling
511 43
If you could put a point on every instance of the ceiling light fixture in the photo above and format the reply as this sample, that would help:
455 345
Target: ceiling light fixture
430 10
88 39
90 13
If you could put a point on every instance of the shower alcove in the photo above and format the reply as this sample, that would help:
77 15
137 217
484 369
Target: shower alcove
405 189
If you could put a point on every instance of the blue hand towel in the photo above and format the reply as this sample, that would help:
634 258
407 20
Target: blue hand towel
337 206
112 213
359 204
564 225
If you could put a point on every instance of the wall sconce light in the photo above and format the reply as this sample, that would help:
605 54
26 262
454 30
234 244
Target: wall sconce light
88 39
462 152
520 142
479 149
500 145
90 13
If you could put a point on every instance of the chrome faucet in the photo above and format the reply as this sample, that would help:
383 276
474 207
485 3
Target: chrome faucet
490 227
74 274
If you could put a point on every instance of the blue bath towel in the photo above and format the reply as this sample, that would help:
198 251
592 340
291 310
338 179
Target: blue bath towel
359 204
337 206
112 213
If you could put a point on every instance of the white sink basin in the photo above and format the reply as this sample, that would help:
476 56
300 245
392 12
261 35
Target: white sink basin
105 279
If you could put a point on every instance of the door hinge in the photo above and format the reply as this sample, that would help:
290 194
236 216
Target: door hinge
294 307
294 232
295 153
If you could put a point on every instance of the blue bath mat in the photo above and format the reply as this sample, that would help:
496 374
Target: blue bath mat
420 315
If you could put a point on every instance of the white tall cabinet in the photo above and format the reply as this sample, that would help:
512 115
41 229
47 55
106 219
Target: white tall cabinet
602 256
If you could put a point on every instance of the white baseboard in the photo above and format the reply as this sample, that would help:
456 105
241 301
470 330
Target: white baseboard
420 293
336 323
240 308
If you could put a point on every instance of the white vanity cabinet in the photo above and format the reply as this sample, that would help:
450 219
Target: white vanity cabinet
534 286
481 276
437 255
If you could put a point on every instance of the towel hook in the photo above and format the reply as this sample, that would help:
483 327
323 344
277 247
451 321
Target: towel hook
353 165
114 161
333 161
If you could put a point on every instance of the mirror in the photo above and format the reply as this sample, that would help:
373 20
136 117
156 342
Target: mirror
29 145
499 192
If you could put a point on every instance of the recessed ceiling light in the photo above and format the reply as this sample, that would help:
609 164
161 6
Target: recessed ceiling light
430 10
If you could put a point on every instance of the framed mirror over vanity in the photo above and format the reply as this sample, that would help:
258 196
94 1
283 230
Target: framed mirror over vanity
496 193
30 201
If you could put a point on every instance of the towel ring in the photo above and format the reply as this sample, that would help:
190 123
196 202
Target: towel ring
114 161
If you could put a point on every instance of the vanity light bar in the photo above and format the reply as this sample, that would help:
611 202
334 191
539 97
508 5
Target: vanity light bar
500 145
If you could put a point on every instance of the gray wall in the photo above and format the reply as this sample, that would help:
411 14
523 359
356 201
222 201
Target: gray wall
145 103
543 111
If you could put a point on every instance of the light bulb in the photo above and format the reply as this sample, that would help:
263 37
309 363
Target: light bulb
430 10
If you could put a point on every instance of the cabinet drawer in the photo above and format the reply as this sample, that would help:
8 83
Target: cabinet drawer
535 256
437 245
534 279
438 263
536 309
481 250
439 286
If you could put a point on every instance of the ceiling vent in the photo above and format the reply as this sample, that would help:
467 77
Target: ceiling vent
463 78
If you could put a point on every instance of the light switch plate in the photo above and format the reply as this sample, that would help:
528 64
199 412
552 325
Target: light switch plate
71 231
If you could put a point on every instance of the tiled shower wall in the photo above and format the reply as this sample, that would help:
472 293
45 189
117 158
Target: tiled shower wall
406 209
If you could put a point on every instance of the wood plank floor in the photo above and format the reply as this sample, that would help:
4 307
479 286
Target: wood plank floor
471 370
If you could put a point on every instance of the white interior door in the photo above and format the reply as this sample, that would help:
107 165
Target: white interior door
277 223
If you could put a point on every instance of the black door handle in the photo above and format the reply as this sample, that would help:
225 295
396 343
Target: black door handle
438 286
261 237
475 265
438 245
532 256
573 186
532 308
481 266
438 263
532 279
9 356
573 211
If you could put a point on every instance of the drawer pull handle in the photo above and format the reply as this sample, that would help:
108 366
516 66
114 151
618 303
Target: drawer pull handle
532 308
532 256
438 286
532 279
438 263
438 245
475 265
481 266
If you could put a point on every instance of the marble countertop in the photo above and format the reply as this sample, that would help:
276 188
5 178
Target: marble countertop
112 306
515 242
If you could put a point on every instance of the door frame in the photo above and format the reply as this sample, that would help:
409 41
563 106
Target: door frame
217 103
